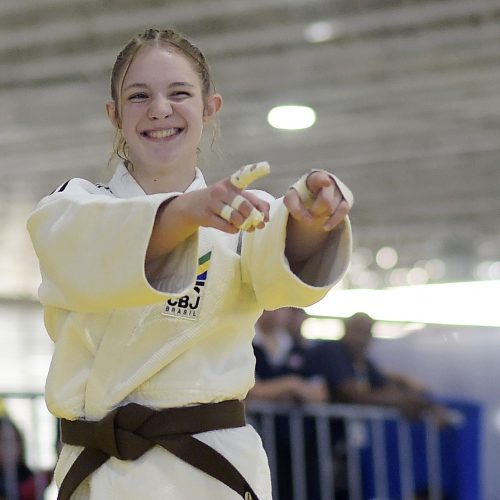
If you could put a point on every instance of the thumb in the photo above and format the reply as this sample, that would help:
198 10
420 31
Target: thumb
318 180
249 173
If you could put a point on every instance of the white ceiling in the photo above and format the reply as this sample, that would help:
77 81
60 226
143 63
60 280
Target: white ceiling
407 95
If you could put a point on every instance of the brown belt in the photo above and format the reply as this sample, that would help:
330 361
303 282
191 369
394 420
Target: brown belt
129 431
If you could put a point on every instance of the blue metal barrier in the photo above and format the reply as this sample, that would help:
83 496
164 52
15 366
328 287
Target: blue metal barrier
338 452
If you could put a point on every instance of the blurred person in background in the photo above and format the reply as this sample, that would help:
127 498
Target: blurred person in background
352 377
280 376
17 480
295 318
280 355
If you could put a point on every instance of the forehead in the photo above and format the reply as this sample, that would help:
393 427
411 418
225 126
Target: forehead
161 65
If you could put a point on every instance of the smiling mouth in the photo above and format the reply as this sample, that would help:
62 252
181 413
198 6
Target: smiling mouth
161 134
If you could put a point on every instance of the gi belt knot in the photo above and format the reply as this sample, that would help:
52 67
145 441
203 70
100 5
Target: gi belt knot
130 431
119 433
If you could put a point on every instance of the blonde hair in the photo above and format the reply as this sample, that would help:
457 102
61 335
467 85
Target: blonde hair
153 38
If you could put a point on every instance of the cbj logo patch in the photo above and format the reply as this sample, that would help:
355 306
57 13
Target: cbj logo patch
188 306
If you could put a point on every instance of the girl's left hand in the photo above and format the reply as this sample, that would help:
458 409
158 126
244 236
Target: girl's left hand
327 209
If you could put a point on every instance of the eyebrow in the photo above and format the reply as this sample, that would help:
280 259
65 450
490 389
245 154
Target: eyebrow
143 85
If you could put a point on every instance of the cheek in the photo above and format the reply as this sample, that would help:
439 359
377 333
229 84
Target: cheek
128 123
194 111
130 114
195 123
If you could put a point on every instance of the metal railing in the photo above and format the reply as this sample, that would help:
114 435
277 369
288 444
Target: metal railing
364 431
364 435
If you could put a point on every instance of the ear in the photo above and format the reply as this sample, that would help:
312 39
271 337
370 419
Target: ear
212 107
111 112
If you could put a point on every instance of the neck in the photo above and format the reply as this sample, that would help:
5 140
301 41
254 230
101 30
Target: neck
163 181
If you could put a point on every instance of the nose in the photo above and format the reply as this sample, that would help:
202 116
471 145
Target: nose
160 108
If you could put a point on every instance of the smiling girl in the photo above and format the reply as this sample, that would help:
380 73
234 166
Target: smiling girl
151 286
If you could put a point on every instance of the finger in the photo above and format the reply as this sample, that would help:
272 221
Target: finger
241 207
255 211
261 205
295 205
338 216
255 219
249 173
216 221
327 200
320 178
317 180
222 225
305 195
231 214
226 212
238 200
309 185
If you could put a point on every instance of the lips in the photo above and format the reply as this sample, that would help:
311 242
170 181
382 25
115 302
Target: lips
161 133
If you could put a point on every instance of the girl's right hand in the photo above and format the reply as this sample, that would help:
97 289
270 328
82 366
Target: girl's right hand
234 208
225 207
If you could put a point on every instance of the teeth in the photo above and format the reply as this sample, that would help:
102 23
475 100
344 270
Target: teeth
161 134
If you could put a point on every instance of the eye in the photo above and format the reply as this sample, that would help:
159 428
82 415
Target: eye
138 96
180 94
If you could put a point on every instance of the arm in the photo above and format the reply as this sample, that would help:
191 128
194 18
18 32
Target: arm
298 257
91 248
94 248
404 382
308 228
411 403
179 218
289 388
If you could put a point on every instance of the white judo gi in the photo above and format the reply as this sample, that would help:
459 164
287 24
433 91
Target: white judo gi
175 333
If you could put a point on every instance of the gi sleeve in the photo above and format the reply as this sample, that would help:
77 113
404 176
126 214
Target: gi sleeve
266 269
92 246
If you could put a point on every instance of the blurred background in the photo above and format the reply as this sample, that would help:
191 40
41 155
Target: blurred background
402 102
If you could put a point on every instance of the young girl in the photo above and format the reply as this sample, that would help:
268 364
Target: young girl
152 284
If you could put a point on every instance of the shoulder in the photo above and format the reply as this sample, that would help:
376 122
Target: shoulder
75 191
83 186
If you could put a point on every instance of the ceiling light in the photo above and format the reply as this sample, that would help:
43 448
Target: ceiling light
291 117
386 258
436 269
417 276
398 277
321 31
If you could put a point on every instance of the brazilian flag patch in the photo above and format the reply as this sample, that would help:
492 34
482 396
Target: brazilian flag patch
188 306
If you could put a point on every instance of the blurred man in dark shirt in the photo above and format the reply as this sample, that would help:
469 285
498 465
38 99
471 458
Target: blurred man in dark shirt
353 378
